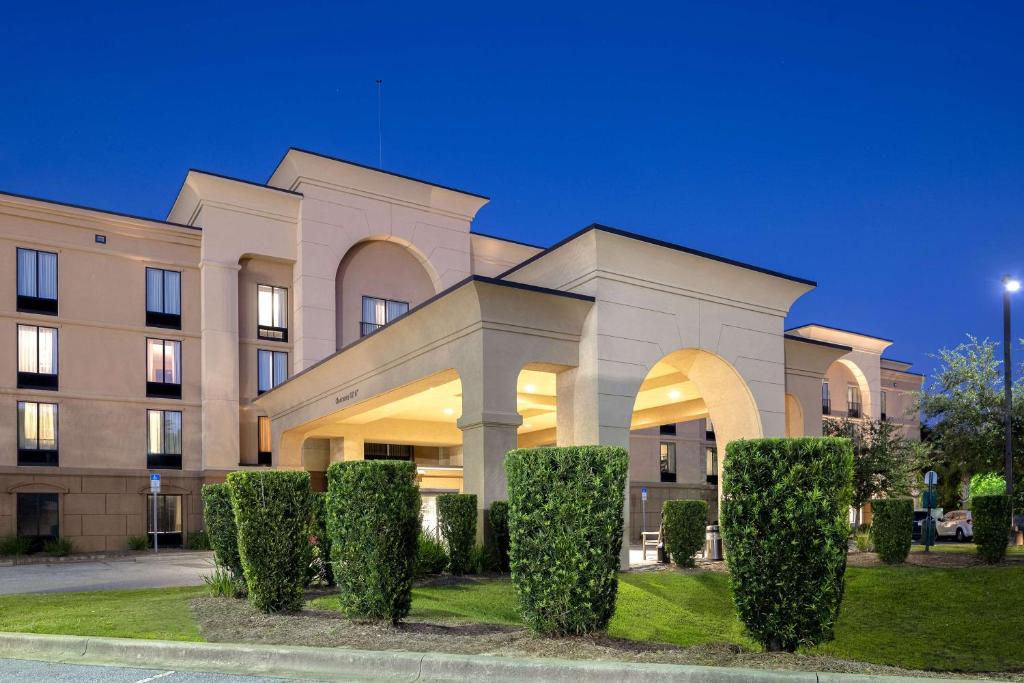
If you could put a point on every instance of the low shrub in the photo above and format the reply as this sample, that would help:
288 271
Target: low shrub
431 558
784 511
497 517
221 531
58 547
272 511
456 520
15 546
990 516
138 543
683 525
198 540
892 528
320 569
864 543
565 532
373 520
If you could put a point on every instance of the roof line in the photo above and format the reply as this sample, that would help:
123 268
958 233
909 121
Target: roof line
378 170
243 180
443 293
840 329
659 243
93 208
818 342
896 360
505 239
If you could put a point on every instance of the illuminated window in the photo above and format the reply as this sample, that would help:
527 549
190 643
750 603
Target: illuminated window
163 368
668 461
163 439
37 433
272 313
37 357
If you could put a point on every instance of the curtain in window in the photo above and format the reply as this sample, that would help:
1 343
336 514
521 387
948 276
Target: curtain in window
395 309
264 434
280 367
265 305
28 414
172 432
172 292
48 426
47 275
374 310
280 307
154 290
28 350
26 272
47 350
154 360
172 362
263 370
156 432
852 395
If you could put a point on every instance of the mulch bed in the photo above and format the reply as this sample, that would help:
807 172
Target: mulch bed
234 621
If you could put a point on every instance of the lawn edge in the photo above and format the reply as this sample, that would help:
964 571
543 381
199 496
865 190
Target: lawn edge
340 664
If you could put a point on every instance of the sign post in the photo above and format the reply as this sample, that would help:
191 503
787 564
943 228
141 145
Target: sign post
154 490
643 508
930 498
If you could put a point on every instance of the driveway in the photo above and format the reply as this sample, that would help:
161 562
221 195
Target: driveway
21 670
140 571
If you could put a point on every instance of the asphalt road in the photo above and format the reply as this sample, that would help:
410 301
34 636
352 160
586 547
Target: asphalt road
147 571
23 670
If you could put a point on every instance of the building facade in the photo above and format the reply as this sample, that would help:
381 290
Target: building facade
341 312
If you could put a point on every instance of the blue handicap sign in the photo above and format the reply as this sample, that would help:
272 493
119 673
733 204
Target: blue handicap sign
154 477
643 493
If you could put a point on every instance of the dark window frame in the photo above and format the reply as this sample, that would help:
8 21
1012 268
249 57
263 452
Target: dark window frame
270 332
668 476
162 319
168 539
713 452
37 304
45 381
367 327
164 460
39 457
388 451
667 429
20 499
264 458
273 353
163 388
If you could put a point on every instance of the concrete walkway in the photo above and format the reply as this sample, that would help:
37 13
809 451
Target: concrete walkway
138 571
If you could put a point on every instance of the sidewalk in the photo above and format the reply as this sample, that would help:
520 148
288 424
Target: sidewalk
338 664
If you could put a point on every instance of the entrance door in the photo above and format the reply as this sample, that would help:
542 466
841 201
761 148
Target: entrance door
169 517
38 518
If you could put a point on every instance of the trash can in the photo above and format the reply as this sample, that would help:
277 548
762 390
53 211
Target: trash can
712 543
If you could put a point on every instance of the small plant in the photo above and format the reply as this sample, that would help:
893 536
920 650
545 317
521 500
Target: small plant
991 518
15 546
58 547
222 584
892 528
138 543
863 541
683 524
456 519
482 560
431 558
198 540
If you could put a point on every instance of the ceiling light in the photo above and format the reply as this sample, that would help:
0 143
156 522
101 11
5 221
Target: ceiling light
675 394
449 411
530 388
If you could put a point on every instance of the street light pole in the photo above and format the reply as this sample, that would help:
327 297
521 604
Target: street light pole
1009 287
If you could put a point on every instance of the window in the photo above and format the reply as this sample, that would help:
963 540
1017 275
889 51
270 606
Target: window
668 461
38 518
37 433
667 430
711 465
164 439
883 405
163 298
272 369
826 402
387 451
37 357
272 314
852 401
168 520
163 368
37 281
379 312
709 430
264 456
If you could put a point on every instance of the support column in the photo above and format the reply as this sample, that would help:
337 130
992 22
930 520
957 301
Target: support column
353 447
219 350
486 438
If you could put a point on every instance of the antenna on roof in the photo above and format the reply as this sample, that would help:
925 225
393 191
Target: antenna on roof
380 133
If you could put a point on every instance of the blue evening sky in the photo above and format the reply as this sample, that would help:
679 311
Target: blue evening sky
875 147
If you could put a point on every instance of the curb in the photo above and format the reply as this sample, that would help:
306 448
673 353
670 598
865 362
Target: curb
340 664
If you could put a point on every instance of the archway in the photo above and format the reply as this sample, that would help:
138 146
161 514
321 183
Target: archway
849 393
794 416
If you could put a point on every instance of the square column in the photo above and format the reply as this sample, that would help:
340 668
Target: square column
219 349
486 438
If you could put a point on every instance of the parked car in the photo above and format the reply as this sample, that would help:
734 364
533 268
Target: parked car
956 523
919 517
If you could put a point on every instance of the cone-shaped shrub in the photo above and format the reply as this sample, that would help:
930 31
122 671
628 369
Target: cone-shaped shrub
565 532
784 509
272 511
220 527
683 523
456 520
373 519
892 528
990 516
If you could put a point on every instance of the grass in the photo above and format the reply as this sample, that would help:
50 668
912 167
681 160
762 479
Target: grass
962 549
151 613
910 617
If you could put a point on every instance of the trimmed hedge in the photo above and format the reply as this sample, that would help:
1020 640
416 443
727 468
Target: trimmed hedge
220 527
784 511
892 528
565 531
498 518
320 542
456 520
373 519
272 511
683 523
991 518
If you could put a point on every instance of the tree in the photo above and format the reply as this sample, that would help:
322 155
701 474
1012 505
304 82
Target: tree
884 460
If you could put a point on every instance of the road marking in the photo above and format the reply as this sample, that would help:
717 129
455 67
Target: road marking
153 678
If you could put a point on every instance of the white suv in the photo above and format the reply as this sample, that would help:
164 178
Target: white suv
956 523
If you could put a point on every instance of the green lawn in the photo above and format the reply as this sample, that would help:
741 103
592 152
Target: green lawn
152 613
962 548
912 617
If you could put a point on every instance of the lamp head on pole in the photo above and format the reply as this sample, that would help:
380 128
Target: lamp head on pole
1011 284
